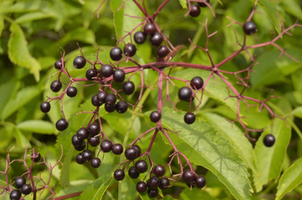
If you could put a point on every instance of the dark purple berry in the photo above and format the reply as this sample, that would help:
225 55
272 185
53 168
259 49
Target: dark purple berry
269 140
139 37
61 124
94 141
141 187
121 107
94 129
20 181
156 39
164 183
153 192
196 83
58 64
110 98
72 91
195 11
201 4
133 173
79 62
87 155
159 170
82 133
106 146
200 181
45 107
128 87
155 116
95 162
117 149
141 166
119 75
129 50
131 153
119 174
153 182
185 93
76 141
91 74
26 189
249 28
162 51
116 53
189 118
80 147
188 176
110 107
95 101
15 195
101 97
36 157
79 159
138 150
106 71
149 29
56 86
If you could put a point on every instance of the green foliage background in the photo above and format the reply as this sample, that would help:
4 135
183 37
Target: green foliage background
33 33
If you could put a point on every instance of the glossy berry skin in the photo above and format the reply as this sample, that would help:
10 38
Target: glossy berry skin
94 101
117 149
249 28
153 182
58 64
162 51
80 147
106 146
87 155
75 141
119 76
196 83
116 53
200 181
153 192
95 162
141 166
149 29
139 37
133 173
141 186
56 86
101 96
91 74
189 118
110 98
159 170
110 107
79 159
156 39
130 50
20 181
188 176
61 124
203 4
45 107
94 141
138 150
155 116
26 189
121 107
131 153
72 91
195 11
36 157
119 174
164 183
94 129
269 140
82 133
106 71
15 195
79 62
185 93
128 87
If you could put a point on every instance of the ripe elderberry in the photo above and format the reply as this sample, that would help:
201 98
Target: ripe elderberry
116 53
188 176
195 11
94 141
149 29
61 124
138 150
196 83
110 98
162 51
139 37
106 71
189 118
155 116
110 107
153 192
94 129
91 74
129 50
201 4
56 86
26 189
80 147
35 156
82 133
15 195
141 186
79 62
117 149
159 170
106 146
58 64
87 155
95 162
249 28
121 107
153 182
185 93
141 166
76 141
79 159
131 153
156 39
45 107
269 140
128 87
119 75
119 174
94 100
133 173
101 97
72 91
200 181
164 183
20 181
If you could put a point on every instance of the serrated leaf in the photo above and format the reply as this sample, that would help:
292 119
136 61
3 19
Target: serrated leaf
291 178
64 178
297 112
270 159
97 189
184 4
37 126
123 23
204 146
18 51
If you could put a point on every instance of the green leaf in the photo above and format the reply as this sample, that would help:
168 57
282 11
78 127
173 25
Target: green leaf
183 4
188 194
205 146
297 112
18 51
97 189
7 90
123 23
37 126
270 159
291 178
65 171
1 24
33 16
25 6
22 141
79 35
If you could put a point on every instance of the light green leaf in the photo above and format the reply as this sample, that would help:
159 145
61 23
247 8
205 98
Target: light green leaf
205 146
291 178
292 7
25 6
297 112
183 4
65 171
79 35
22 141
97 189
1 24
18 51
270 159
37 126
7 90
33 16
195 193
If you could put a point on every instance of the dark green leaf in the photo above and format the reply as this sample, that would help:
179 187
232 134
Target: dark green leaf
37 126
